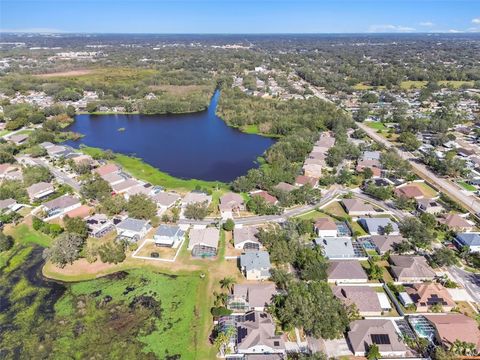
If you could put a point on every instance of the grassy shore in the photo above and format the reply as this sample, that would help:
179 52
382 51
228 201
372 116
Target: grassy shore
141 170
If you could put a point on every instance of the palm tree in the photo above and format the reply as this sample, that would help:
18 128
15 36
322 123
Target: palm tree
221 299
227 283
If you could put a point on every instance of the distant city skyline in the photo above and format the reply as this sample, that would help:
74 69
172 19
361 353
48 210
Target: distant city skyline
238 17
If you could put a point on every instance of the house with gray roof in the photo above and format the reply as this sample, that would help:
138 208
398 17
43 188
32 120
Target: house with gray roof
246 297
346 271
40 190
196 197
255 265
472 240
410 269
203 242
385 243
60 206
133 229
336 247
168 236
371 155
365 333
377 226
363 297
231 203
7 205
165 200
245 238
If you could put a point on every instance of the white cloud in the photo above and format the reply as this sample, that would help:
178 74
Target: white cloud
32 30
454 31
390 28
426 23
476 20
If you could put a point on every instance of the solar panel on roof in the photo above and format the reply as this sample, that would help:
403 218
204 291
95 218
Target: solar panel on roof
380 339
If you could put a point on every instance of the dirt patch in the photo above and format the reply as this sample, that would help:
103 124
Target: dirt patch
65 73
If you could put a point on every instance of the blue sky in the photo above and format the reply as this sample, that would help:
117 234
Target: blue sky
240 16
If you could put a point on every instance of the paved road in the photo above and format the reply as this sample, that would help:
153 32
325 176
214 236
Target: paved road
446 186
470 281
60 176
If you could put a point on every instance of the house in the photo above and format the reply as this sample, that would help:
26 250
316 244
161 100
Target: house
269 199
246 297
40 190
133 229
312 170
384 302
230 203
5 168
196 197
168 236
139 189
124 186
82 212
336 247
346 271
409 192
255 265
410 268
99 225
385 243
378 226
357 207
7 205
426 295
18 139
285 187
203 242
472 240
61 205
452 327
429 206
255 334
245 238
456 223
365 333
58 151
325 142
107 169
371 155
364 297
302 180
325 227
114 178
165 200
82 159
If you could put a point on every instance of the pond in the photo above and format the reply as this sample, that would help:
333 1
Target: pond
189 146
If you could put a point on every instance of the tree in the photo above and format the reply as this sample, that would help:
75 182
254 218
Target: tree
444 257
388 229
140 206
222 341
414 230
228 225
227 283
259 206
95 188
197 211
373 352
112 253
367 173
65 249
114 205
311 263
36 174
76 225
6 242
375 271
409 141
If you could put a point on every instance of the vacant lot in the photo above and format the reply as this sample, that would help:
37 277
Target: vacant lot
71 73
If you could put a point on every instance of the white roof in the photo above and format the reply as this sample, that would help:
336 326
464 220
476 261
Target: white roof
384 302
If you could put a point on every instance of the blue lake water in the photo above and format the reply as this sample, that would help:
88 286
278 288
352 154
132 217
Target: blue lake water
190 146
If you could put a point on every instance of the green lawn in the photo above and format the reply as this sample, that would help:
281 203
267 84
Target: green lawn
427 190
4 132
26 235
420 84
466 186
376 125
312 215
139 169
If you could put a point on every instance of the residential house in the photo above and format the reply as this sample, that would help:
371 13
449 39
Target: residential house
106 169
7 205
385 243
346 271
409 192
245 238
246 297
255 265
18 139
456 222
270 199
99 225
82 212
312 170
139 189
5 168
231 203
196 197
133 229
426 295
168 236
371 155
302 180
61 205
365 333
165 200
203 242
472 240
40 190
410 269
430 206
336 247
357 207
325 227
378 226
452 327
124 186
114 178
285 187
363 297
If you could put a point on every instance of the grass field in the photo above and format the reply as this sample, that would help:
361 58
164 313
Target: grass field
141 170
376 125
427 190
466 186
25 235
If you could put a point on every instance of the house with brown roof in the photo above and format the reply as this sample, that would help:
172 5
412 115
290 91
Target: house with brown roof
107 169
385 243
325 227
285 187
302 180
270 199
203 242
246 297
82 212
196 197
365 298
231 203
426 295
245 238
312 170
410 269
18 139
60 205
456 223
409 192
452 327
365 333
165 200
357 207
124 186
40 190
346 271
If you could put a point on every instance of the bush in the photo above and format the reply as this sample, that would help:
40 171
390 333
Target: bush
112 253
6 242
228 225
220 311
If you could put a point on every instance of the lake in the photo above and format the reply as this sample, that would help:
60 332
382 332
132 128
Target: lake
189 146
